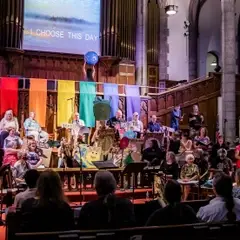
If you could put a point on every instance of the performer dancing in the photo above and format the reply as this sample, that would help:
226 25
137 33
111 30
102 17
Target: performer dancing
77 126
32 128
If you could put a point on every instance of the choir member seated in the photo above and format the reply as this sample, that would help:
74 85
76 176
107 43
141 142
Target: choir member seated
189 172
136 124
174 143
78 124
175 213
108 211
8 123
32 128
153 125
13 137
221 163
153 155
20 168
33 157
116 120
49 210
170 166
202 140
223 207
220 144
10 154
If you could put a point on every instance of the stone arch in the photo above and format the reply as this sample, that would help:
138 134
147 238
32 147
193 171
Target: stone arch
195 7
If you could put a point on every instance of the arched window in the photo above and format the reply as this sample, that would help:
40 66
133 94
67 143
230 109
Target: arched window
212 63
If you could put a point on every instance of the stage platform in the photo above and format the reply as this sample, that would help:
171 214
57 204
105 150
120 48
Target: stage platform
88 195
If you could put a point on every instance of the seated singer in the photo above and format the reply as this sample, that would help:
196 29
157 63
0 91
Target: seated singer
116 120
154 126
136 125
32 128
77 125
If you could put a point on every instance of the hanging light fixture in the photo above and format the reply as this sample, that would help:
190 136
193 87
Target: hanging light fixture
214 63
169 5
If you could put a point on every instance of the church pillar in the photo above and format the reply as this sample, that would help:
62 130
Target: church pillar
141 45
229 69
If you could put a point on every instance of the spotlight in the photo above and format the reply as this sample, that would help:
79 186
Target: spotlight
171 9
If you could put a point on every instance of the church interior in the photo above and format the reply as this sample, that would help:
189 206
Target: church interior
117 116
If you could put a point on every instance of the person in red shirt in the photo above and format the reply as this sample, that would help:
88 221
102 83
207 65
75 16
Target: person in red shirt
237 156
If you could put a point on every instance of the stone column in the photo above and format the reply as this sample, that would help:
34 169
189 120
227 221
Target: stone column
229 69
141 44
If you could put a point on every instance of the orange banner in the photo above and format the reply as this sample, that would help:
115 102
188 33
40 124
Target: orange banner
38 99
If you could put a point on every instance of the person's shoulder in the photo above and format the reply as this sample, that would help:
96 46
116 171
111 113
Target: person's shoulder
123 201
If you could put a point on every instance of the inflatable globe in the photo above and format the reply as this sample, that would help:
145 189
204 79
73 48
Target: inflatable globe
91 58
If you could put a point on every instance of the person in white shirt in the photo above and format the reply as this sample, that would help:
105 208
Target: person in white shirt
31 178
223 207
136 125
78 124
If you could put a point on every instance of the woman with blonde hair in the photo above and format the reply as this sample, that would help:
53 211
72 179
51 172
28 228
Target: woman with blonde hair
49 210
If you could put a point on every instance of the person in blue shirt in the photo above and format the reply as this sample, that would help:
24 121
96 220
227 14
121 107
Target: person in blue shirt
154 126
176 118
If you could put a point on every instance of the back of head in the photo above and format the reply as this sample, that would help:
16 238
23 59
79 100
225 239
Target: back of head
173 192
49 188
31 178
105 183
222 184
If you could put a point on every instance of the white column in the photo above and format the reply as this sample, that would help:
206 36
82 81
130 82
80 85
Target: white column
141 44
229 69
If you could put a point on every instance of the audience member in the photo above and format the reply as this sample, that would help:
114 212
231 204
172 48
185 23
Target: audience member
170 166
31 178
223 207
48 211
175 212
236 188
109 211
237 156
201 160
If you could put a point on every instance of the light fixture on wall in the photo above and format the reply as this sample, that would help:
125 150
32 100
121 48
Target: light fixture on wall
214 63
169 5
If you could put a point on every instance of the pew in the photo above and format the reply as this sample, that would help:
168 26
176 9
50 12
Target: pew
200 231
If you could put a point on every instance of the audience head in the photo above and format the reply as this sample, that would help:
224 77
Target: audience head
8 115
32 115
199 153
170 157
105 183
153 144
119 114
189 158
237 177
31 178
222 153
172 192
177 107
12 132
49 188
222 186
32 146
220 140
203 132
154 118
135 116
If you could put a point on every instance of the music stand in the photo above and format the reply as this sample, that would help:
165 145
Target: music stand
133 169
